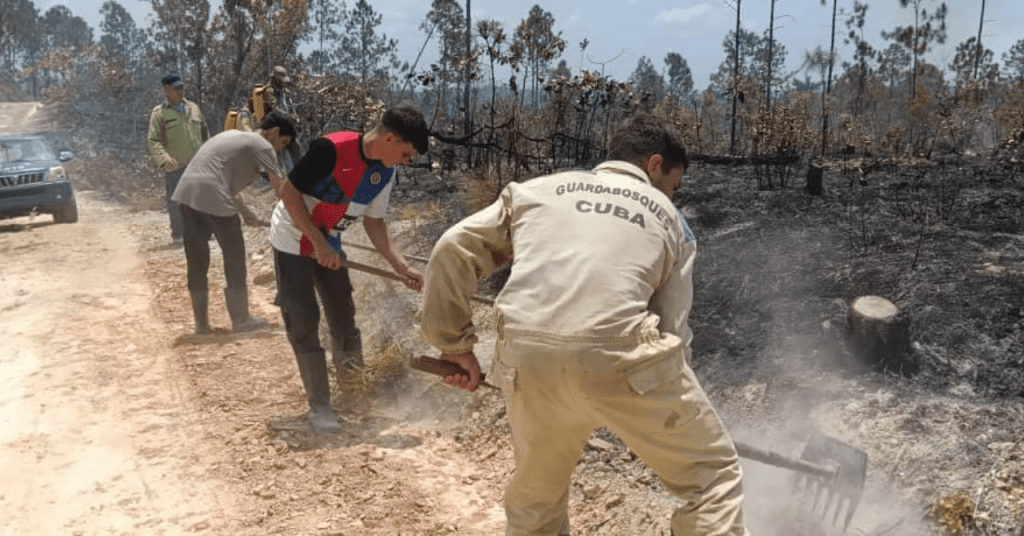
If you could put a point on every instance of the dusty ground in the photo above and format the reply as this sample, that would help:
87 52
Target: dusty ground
116 420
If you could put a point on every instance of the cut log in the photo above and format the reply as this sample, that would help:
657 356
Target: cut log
878 335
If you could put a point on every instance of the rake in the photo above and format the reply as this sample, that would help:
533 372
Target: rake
832 472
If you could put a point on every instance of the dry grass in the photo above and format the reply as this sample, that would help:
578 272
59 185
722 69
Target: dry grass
953 513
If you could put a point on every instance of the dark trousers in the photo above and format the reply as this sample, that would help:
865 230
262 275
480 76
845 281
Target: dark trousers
299 281
171 180
199 226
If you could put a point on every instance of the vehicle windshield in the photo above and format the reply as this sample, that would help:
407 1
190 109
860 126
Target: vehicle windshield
24 150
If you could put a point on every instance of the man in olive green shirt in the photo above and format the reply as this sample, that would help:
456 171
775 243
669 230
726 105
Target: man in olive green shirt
176 130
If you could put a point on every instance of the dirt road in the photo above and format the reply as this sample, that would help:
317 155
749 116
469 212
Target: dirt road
95 431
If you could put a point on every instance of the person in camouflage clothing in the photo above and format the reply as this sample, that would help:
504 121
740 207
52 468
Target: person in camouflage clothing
176 130
274 95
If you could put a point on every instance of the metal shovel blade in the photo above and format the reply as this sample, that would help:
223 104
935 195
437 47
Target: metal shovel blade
843 491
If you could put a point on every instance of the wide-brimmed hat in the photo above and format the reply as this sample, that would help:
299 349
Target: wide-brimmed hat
282 74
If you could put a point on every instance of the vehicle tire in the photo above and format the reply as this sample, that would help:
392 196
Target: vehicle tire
66 213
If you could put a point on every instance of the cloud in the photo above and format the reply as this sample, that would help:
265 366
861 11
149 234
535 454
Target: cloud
697 19
682 15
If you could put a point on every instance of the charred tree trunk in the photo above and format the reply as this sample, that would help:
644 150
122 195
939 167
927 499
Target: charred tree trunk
815 180
825 108
978 49
467 125
771 59
735 81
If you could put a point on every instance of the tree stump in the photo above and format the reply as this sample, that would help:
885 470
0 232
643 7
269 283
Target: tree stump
815 176
878 335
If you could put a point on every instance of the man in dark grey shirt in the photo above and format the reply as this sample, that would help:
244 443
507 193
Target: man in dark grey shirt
224 165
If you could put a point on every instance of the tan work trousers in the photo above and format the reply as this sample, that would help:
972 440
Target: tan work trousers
559 390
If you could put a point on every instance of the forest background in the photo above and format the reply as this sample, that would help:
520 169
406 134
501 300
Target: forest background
517 99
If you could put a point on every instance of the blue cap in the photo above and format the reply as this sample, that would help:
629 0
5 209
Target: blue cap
173 81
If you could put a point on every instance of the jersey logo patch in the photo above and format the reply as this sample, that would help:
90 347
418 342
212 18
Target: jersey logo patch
375 178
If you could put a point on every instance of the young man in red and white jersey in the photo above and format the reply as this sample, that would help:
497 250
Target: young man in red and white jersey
342 178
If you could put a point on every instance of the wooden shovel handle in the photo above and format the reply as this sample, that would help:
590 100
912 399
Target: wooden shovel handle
443 368
397 277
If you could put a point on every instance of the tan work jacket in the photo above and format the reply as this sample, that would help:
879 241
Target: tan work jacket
175 134
595 253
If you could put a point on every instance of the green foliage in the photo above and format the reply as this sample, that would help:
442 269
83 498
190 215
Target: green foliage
325 18
747 87
680 77
722 80
124 48
1013 61
863 53
893 65
539 45
928 30
447 20
62 28
19 39
118 30
648 83
970 55
181 39
363 53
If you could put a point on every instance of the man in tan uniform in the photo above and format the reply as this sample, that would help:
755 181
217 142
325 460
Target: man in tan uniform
592 331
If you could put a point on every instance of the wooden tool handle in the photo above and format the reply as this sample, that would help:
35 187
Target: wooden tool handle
352 265
443 368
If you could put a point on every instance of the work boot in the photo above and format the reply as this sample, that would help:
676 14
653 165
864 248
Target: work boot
347 356
313 370
238 310
200 310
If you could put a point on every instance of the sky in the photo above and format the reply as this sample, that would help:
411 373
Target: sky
620 32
